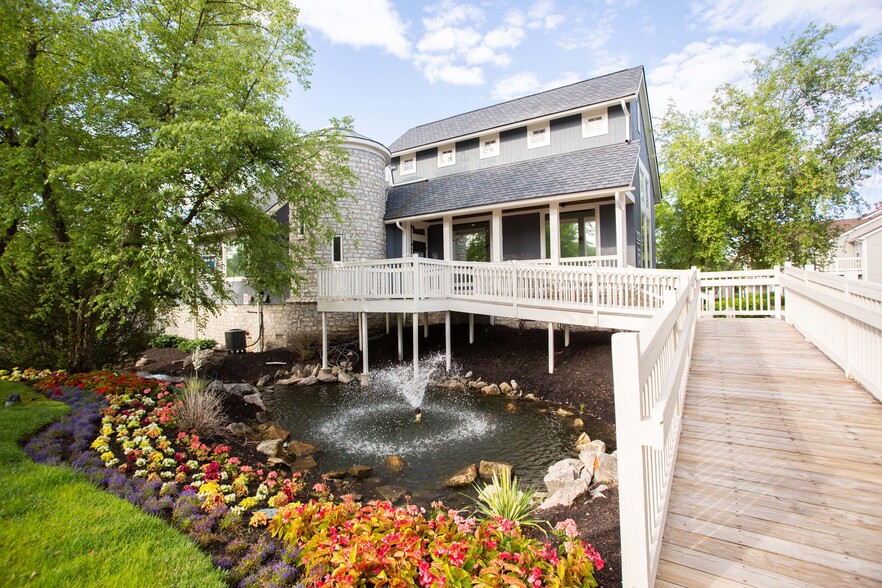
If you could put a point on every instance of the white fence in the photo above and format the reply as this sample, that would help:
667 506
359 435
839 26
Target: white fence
588 261
650 370
741 293
842 318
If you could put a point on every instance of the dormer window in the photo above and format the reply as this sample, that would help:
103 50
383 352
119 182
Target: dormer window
490 146
408 164
538 136
446 155
594 124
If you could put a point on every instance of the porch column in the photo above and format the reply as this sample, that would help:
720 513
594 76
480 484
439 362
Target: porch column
550 348
554 222
364 351
496 235
360 332
425 325
387 323
621 224
324 340
566 335
400 338
416 345
406 240
447 337
471 328
447 228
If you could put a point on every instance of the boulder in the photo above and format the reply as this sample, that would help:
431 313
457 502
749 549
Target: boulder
264 416
274 461
271 448
216 387
607 468
565 495
463 477
263 381
478 385
273 430
468 375
299 449
530 396
360 471
344 378
308 381
562 473
394 463
336 474
562 412
578 423
514 386
589 455
491 390
206 358
505 388
327 378
486 469
256 400
391 492
297 370
240 429
293 380
583 441
510 407
240 389
307 462
142 362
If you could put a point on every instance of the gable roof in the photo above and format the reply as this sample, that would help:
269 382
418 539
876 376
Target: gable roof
612 166
863 226
594 91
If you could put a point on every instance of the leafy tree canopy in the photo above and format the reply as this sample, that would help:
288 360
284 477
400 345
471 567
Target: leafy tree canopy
754 180
136 135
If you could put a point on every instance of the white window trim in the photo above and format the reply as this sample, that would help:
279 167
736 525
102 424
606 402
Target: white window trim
408 157
224 262
604 124
495 151
547 134
452 148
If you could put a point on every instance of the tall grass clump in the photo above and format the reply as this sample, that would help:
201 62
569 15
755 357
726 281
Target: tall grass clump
503 498
200 408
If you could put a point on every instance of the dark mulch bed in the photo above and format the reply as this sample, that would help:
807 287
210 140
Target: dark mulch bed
582 381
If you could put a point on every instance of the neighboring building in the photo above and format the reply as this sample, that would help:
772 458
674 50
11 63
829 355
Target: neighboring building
567 176
858 252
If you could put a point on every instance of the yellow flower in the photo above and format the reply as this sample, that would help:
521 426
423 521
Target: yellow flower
106 456
209 488
248 502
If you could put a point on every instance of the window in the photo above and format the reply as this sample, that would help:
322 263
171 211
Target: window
594 124
538 136
578 234
337 248
471 242
408 164
233 263
490 146
446 155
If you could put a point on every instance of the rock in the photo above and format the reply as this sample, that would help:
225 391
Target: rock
510 407
263 381
344 378
394 463
364 380
562 412
240 389
141 362
256 400
480 384
336 474
463 477
307 462
505 388
468 375
315 370
269 512
589 454
360 471
327 378
562 473
607 469
583 441
216 387
273 461
299 449
391 493
264 416
272 448
273 430
514 386
293 380
491 390
279 374
308 381
326 370
240 429
599 492
530 396
486 469
565 495
297 370
206 358
454 384
578 423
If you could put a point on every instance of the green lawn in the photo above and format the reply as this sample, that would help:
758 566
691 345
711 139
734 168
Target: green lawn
57 529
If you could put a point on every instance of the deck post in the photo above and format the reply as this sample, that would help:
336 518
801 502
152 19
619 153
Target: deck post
398 316
471 328
496 235
554 223
364 351
416 345
387 323
566 335
550 348
360 339
447 232
636 563
621 241
447 337
779 279
324 340
425 325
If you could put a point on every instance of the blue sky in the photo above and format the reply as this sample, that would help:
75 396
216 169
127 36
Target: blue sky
393 65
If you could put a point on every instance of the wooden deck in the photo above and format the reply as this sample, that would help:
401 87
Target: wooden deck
778 479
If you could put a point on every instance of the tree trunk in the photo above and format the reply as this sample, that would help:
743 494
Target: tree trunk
80 340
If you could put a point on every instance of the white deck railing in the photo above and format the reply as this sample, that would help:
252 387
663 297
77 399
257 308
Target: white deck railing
844 265
588 261
842 318
741 293
650 370
629 290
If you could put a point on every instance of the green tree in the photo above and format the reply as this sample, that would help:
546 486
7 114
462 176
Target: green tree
754 180
135 135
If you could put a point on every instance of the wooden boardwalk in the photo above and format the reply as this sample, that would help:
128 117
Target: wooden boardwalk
778 479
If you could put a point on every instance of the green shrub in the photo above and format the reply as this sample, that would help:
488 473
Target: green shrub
200 409
165 341
504 498
191 345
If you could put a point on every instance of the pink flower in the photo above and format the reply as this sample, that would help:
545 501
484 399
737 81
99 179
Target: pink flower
569 527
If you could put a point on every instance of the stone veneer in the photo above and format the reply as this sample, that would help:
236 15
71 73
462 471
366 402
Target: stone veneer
296 321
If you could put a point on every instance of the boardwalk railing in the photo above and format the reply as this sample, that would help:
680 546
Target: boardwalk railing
741 293
587 261
842 318
650 370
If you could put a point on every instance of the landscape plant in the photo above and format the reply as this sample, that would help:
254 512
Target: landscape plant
503 498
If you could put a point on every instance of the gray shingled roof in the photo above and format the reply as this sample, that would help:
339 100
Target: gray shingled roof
611 166
593 91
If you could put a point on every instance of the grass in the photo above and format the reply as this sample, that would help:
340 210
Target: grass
57 529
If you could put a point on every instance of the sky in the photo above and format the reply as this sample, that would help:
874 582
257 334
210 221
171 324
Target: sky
393 65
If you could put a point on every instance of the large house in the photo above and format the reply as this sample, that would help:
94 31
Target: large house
563 177
858 251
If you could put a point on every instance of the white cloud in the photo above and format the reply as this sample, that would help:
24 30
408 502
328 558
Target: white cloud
448 39
752 15
454 74
485 54
505 36
691 76
540 16
448 13
527 82
359 23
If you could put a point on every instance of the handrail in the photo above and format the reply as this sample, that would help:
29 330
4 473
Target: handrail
649 372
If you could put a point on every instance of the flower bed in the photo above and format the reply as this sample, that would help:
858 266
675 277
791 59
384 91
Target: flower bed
122 433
